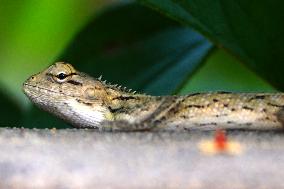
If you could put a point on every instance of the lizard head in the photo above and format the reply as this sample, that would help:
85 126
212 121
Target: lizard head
69 94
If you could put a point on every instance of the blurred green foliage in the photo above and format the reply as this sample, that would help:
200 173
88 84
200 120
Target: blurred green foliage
133 45
251 30
223 71
33 33
142 49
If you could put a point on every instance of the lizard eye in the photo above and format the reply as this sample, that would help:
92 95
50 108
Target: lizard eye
61 77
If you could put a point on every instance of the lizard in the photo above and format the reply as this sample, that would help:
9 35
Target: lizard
87 102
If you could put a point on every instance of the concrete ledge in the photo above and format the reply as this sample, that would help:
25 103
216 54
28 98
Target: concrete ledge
74 158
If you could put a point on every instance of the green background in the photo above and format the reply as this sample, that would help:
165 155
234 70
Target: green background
157 47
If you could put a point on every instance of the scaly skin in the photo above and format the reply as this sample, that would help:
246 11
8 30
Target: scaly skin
86 102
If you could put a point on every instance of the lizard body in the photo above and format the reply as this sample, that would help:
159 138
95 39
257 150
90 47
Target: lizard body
86 102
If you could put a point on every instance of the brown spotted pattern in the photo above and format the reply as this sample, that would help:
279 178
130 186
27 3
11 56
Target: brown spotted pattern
87 102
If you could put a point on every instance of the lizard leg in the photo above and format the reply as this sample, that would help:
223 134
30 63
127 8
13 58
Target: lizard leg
150 123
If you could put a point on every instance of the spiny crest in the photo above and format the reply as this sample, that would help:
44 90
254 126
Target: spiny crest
100 78
115 86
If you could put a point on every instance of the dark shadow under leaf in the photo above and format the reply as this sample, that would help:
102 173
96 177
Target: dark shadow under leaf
11 113
139 48
250 30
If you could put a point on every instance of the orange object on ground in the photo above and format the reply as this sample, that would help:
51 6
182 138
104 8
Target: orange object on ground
220 144
220 140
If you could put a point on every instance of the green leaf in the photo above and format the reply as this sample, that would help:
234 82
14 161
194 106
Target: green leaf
133 46
251 30
222 72
138 48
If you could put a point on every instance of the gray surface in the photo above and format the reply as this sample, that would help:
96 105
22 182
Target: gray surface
89 159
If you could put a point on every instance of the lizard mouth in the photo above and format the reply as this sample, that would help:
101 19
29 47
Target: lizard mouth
35 92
